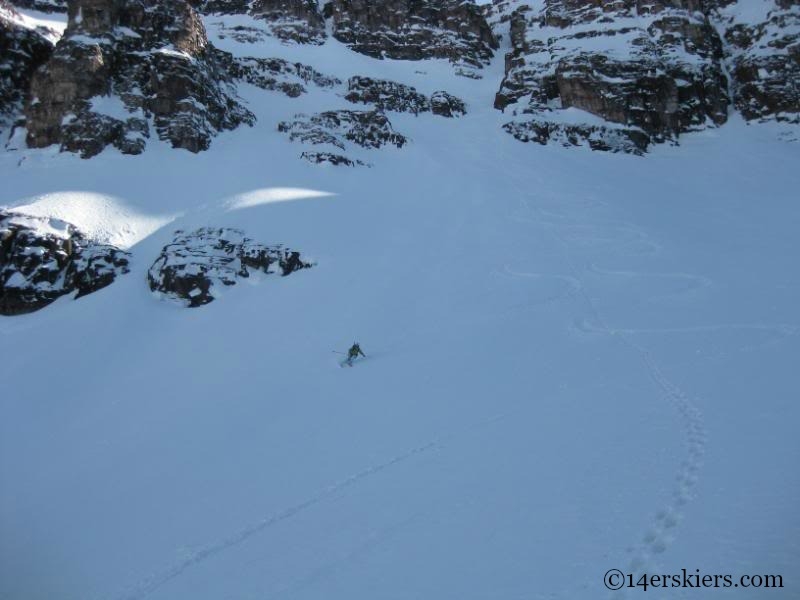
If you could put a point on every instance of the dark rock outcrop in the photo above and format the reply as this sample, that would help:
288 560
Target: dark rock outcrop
386 95
597 137
196 266
319 158
447 105
655 68
764 60
298 21
369 129
48 6
44 259
275 74
123 67
22 51
398 97
414 29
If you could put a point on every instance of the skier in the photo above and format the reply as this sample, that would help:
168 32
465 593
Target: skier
353 353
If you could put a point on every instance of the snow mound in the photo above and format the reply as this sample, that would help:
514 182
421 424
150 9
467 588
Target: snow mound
104 218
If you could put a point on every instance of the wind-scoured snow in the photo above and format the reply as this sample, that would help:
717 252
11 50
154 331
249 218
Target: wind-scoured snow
102 217
576 361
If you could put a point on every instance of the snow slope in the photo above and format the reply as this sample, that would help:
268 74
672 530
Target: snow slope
577 361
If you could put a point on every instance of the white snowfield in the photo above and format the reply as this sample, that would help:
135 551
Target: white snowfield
576 362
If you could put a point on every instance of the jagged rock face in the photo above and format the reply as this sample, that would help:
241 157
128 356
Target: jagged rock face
414 29
196 266
398 97
275 74
289 20
764 60
22 51
49 6
655 68
123 67
225 7
44 259
296 20
368 129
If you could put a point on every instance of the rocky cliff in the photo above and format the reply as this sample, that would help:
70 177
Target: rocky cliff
763 56
622 75
23 49
615 76
126 70
289 20
47 6
414 29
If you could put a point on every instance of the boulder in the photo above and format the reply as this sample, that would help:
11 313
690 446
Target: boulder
43 259
196 266
447 105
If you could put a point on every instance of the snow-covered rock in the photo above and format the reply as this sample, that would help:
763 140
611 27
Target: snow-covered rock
763 53
366 128
275 74
661 68
195 266
123 69
319 158
46 6
414 29
43 259
386 95
23 49
447 105
398 97
289 20
597 136
655 68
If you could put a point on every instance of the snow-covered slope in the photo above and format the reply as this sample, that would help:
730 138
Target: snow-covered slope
576 361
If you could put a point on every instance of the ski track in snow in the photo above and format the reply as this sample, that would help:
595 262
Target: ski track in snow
663 528
694 282
571 286
579 234
319 574
150 584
